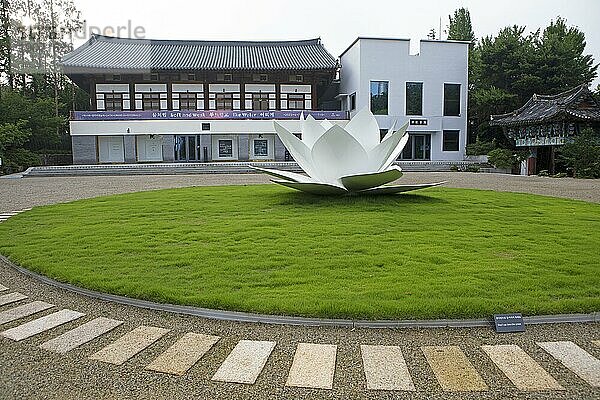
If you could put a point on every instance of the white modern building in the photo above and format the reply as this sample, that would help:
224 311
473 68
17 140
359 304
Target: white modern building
204 101
428 90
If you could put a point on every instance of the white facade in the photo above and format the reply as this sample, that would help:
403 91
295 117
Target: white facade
389 60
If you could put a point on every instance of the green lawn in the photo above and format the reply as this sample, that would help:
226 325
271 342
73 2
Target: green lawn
435 253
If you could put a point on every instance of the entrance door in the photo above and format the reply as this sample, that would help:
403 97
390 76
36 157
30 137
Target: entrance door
111 149
187 148
417 148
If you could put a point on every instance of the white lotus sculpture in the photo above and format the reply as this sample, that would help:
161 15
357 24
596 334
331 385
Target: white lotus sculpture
344 160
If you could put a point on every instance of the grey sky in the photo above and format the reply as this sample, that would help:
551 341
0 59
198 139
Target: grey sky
338 23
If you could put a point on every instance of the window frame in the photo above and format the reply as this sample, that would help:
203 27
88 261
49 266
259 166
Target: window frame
387 108
151 98
113 99
190 99
444 140
445 111
406 110
262 99
222 100
300 98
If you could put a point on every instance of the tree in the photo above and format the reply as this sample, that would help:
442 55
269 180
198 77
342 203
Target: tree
560 59
583 154
460 27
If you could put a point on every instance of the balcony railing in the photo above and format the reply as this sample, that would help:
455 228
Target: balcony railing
202 115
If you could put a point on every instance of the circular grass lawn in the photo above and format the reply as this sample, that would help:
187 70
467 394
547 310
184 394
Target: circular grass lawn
437 253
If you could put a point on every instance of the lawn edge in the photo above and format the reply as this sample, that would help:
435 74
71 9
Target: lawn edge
237 316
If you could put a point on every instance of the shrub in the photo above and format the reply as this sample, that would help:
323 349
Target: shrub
16 160
583 155
472 168
480 147
454 168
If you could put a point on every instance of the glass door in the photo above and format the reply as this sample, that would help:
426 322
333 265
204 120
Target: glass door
187 148
417 148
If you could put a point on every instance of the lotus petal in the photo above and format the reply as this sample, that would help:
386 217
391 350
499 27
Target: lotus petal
386 152
355 183
363 127
338 154
314 188
299 151
287 175
390 131
326 124
311 131
392 189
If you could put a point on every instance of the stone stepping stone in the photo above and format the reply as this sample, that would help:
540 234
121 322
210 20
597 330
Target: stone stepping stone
313 366
385 368
42 324
129 345
23 311
184 354
3 288
453 370
81 335
245 362
582 363
520 368
11 298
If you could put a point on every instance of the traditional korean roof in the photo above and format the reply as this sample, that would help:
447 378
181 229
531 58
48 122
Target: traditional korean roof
105 54
575 104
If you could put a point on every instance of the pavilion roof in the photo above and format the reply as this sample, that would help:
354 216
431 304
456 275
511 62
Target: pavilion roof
575 104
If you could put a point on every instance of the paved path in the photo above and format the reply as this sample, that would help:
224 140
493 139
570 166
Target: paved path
57 344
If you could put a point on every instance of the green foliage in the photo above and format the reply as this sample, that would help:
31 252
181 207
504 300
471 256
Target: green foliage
17 159
460 27
507 69
583 155
506 158
441 253
35 116
480 147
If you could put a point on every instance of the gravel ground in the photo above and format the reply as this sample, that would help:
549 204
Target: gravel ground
16 194
29 372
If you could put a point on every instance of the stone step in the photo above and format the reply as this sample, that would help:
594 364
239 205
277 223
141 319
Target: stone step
184 354
81 335
520 368
129 345
42 324
385 368
582 363
313 366
11 298
23 311
245 362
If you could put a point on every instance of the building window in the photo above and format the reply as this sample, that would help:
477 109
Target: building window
379 97
225 148
261 148
224 77
188 101
113 101
296 101
260 77
451 100
352 102
296 78
260 101
187 77
151 101
224 101
450 141
414 98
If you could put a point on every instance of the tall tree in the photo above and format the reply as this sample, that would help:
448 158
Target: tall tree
561 61
460 27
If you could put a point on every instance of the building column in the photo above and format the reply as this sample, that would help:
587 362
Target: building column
129 148
85 149
244 147
206 143
168 148
279 149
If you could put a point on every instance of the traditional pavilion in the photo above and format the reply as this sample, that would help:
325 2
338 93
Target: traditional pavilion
545 122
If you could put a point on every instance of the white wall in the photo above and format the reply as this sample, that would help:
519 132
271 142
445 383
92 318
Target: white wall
438 62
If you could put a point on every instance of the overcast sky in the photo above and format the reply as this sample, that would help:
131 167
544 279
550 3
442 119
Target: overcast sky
338 23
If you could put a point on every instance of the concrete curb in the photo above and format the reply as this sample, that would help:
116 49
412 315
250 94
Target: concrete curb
235 316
